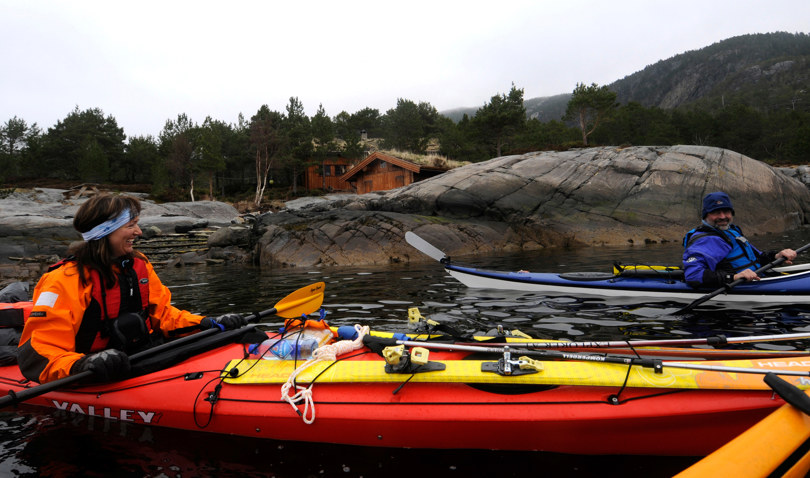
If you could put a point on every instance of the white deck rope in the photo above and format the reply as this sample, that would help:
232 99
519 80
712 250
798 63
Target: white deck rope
328 352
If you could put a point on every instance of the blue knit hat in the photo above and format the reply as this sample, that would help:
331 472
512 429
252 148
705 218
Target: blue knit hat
715 201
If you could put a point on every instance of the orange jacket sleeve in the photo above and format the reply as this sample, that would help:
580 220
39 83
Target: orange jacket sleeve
48 341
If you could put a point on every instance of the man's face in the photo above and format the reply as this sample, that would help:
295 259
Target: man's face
720 218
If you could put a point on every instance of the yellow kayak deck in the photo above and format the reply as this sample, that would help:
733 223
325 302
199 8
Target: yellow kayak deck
551 373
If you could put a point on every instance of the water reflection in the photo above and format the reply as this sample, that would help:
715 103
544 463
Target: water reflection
380 298
62 446
34 442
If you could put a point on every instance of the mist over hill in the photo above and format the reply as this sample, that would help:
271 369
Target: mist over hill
765 70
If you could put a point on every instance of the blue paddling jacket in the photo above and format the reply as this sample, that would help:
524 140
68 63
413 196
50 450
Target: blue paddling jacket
712 256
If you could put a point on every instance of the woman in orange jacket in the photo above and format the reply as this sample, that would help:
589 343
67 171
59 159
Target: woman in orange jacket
103 302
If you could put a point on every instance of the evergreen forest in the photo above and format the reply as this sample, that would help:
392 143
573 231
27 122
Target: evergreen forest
758 107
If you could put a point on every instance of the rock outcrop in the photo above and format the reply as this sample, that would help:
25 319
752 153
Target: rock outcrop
36 225
613 196
594 196
46 217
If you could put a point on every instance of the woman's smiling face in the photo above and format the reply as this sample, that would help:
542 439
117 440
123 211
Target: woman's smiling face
122 239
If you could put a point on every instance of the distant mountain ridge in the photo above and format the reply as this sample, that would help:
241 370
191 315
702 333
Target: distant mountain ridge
764 70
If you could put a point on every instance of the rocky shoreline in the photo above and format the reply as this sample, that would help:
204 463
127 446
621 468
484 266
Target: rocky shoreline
587 197
593 196
36 228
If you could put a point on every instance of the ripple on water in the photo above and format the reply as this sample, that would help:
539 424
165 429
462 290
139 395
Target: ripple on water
376 297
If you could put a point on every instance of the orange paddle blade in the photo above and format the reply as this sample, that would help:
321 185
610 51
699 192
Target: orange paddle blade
303 301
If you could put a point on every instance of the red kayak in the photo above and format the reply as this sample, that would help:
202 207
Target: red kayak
568 406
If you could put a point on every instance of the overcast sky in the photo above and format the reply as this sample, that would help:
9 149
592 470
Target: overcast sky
145 61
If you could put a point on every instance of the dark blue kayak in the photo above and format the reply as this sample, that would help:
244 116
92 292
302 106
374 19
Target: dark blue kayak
649 285
788 285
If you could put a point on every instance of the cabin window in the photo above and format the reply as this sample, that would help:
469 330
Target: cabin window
327 170
340 170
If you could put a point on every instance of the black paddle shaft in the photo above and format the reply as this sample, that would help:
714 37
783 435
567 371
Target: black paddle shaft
728 286
23 395
305 300
28 393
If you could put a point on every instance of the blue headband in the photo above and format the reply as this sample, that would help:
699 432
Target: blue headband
105 228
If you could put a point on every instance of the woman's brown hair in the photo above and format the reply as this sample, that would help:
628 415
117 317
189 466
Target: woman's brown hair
96 254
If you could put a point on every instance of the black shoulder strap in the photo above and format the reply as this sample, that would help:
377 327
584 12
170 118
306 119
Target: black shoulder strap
12 317
90 326
61 263
704 231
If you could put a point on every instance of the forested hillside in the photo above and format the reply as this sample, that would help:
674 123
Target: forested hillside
765 71
747 94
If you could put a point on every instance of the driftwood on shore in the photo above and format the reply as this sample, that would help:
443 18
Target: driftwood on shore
162 248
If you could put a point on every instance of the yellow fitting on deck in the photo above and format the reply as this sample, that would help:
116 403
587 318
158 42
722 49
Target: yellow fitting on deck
518 333
528 364
414 317
393 354
419 355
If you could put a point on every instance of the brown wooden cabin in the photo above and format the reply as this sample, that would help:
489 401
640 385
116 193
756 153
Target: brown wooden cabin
381 172
327 175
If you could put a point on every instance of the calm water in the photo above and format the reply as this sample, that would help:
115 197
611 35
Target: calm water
35 443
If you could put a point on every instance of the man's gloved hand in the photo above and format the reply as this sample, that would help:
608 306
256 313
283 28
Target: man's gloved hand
224 322
107 366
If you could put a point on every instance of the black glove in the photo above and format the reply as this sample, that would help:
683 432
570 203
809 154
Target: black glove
224 322
107 366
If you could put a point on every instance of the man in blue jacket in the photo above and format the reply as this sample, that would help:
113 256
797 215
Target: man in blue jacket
717 253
